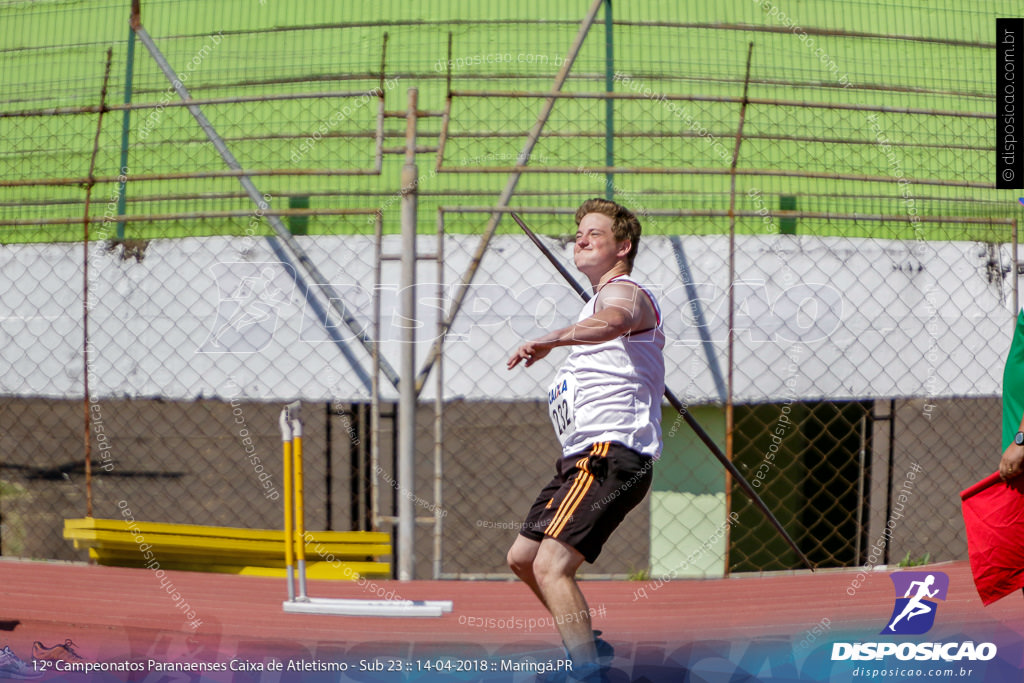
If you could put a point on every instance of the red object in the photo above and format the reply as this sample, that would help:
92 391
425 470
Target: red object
994 517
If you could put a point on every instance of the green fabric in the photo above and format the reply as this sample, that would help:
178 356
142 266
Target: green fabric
1013 384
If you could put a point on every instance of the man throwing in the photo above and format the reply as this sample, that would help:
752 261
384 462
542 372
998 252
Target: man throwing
605 405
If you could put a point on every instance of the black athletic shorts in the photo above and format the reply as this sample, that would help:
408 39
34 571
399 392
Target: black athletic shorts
589 497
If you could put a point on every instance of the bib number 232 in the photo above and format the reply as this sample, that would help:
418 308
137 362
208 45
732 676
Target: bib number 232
560 404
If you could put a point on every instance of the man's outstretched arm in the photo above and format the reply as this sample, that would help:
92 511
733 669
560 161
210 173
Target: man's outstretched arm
620 308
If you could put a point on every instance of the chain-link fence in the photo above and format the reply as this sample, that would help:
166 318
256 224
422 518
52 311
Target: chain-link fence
837 306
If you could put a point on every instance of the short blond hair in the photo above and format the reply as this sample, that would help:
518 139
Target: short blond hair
625 224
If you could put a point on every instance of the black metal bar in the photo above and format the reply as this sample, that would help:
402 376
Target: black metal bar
328 474
680 408
888 478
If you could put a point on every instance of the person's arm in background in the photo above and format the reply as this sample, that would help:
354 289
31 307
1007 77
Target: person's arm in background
1009 465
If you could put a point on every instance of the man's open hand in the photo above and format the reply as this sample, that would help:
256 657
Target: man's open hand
531 352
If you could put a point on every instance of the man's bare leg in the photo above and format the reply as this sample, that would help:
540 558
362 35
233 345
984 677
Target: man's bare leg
520 560
554 569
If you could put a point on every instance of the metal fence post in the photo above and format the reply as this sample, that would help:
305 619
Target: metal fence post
407 383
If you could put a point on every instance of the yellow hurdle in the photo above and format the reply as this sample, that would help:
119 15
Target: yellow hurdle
300 517
294 531
295 546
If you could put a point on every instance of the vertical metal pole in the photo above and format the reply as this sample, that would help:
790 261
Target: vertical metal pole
300 503
359 452
375 428
888 479
448 71
860 488
125 130
407 383
378 158
609 103
439 408
1016 269
87 431
328 468
289 505
729 419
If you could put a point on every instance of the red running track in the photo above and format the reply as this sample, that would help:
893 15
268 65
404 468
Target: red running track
115 613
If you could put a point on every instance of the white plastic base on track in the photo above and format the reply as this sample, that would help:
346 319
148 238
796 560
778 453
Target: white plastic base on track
369 608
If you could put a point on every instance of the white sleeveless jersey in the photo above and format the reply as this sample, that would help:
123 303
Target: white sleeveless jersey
612 391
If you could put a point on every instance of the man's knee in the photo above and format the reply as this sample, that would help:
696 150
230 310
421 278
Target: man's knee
544 572
514 561
548 569
520 559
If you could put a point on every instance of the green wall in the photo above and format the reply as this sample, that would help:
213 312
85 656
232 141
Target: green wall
688 507
938 58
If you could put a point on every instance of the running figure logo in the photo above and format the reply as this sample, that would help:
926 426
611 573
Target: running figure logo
248 307
914 613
